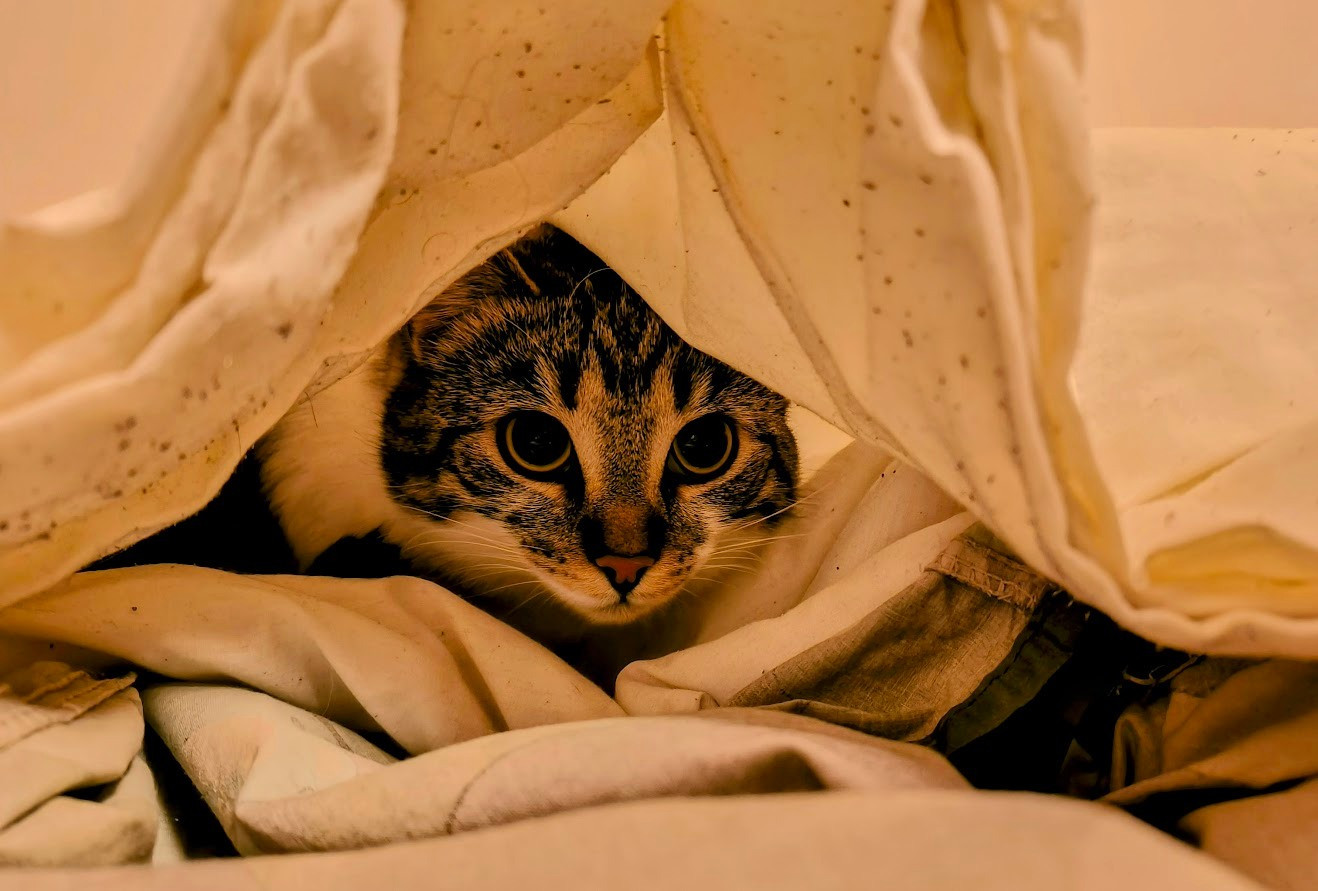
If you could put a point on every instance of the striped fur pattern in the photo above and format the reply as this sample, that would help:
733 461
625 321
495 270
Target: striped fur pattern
545 326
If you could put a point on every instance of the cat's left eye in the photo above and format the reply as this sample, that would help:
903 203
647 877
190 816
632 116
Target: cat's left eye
703 449
534 444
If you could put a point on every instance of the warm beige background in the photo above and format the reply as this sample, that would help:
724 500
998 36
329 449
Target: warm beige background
1203 63
81 83
80 80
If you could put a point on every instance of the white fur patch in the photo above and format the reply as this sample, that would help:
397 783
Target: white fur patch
321 463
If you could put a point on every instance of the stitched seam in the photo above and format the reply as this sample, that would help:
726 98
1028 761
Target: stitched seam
992 573
20 719
450 821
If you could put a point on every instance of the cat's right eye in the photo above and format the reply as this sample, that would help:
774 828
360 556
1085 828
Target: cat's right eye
534 444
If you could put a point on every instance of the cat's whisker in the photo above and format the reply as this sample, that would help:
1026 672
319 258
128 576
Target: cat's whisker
767 517
474 533
731 561
585 279
507 567
755 545
538 595
729 566
799 501
510 586
472 540
750 550
492 545
473 530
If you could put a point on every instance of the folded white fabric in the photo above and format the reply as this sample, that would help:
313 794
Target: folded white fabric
63 731
904 244
912 839
885 212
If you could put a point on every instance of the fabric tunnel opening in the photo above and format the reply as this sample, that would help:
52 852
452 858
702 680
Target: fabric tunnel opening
706 443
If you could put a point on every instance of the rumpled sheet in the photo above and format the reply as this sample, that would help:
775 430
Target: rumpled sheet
905 840
885 211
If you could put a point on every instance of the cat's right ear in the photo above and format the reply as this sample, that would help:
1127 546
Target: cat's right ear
423 330
463 299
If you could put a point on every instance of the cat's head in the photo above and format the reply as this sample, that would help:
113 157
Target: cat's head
553 438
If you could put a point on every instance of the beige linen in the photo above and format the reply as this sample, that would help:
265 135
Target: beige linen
400 655
63 731
923 288
904 840
886 211
277 788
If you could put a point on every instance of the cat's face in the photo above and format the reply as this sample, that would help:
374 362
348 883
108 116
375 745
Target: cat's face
554 439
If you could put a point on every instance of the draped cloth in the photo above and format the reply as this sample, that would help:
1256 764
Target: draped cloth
1096 344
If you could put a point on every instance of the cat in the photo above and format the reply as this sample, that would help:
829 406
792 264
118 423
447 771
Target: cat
538 439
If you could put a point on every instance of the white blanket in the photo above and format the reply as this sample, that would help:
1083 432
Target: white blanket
887 212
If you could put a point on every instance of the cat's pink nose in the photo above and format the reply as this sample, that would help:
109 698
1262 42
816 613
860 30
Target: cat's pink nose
626 571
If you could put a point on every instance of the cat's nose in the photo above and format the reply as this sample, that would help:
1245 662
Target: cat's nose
624 573
623 539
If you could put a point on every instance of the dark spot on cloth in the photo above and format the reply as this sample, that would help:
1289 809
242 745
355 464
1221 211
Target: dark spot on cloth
133 608
965 361
527 46
124 444
521 73
284 330
164 446
926 179
869 184
846 202
919 233
906 336
895 120
887 279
